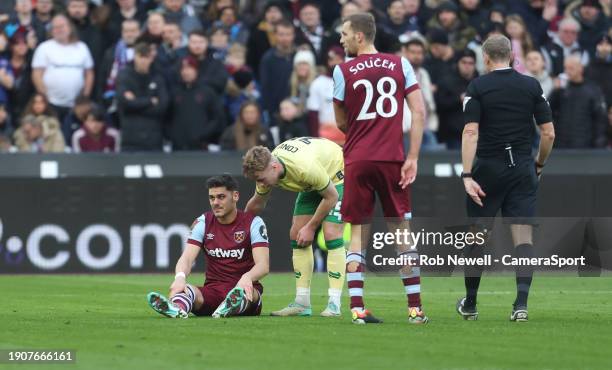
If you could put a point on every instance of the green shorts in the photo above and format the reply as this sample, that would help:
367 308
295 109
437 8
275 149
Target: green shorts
306 203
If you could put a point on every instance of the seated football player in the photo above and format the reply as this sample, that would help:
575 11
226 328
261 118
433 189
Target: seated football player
235 245
312 167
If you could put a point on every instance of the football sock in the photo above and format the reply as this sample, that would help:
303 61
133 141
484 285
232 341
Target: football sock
336 265
356 280
303 265
412 281
184 300
472 274
524 276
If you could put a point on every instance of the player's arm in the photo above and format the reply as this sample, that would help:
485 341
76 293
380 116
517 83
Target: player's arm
543 118
414 99
329 198
261 257
189 255
183 268
339 111
469 142
340 116
258 202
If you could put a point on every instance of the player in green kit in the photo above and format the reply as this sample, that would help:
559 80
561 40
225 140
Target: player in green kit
314 168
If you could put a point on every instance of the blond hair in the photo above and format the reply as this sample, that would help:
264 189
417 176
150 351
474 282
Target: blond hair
256 159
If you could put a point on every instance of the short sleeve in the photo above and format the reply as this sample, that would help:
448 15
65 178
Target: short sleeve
338 85
259 233
39 60
471 105
409 76
542 112
196 236
89 63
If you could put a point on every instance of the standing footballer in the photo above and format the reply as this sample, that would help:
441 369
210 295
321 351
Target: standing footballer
312 167
369 93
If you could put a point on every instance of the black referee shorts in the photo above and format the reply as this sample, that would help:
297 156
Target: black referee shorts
511 189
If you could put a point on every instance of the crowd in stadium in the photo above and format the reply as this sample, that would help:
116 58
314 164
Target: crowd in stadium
210 75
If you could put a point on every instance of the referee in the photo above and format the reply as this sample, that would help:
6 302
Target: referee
499 111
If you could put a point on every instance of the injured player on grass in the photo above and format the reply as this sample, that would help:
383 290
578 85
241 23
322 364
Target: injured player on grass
235 245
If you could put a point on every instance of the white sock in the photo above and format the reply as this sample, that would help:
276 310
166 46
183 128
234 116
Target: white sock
302 296
335 296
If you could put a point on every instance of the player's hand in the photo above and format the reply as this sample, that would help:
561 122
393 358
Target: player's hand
246 283
473 190
409 172
305 236
178 286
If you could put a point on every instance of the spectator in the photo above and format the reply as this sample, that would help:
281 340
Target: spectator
213 11
442 57
154 28
321 116
39 105
475 14
447 19
593 22
600 69
579 110
122 10
311 31
210 71
534 62
497 14
246 91
62 67
303 74
248 130
43 13
179 12
275 69
23 18
564 44
290 121
167 53
449 99
142 100
6 126
398 21
197 114
414 50
521 41
117 58
76 118
219 43
228 20
262 36
95 135
7 80
78 11
39 135
537 15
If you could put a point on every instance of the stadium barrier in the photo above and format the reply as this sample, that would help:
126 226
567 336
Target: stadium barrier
131 212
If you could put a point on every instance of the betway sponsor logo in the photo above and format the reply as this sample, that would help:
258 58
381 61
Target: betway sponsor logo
226 253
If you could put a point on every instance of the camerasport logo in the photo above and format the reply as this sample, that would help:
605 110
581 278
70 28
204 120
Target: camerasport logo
50 247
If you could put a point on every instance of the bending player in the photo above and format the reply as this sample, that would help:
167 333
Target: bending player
235 244
313 167
369 93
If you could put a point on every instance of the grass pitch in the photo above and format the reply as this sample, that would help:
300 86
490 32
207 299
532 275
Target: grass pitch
105 318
